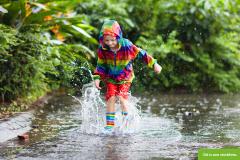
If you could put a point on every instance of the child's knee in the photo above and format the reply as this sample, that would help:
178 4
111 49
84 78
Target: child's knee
112 99
123 101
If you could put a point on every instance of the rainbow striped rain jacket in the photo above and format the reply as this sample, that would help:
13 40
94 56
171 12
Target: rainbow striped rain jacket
116 67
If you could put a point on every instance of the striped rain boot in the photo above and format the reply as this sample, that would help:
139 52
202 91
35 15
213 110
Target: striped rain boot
110 118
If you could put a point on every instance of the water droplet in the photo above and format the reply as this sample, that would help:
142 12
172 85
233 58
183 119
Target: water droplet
188 113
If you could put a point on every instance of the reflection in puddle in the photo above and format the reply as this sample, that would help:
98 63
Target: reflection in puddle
165 130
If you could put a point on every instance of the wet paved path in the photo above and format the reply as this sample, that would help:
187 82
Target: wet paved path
172 126
17 125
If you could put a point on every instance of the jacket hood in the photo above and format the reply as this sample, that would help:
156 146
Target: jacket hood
110 27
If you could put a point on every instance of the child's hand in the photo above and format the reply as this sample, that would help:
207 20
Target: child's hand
97 82
157 68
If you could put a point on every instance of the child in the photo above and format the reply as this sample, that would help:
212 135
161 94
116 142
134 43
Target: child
114 67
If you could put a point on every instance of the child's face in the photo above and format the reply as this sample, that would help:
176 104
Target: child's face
110 41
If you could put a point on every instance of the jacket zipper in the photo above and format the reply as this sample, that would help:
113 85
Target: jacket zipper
115 56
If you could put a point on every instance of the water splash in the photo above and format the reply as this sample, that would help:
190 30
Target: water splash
86 69
94 109
93 113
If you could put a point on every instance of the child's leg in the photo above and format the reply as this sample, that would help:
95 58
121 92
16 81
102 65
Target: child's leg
124 106
123 96
110 101
111 104
110 114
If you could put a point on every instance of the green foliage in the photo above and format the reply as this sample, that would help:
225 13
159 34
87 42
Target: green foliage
22 64
98 11
30 66
44 49
197 43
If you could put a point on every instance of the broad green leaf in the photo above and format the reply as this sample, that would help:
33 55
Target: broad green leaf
80 30
40 6
3 10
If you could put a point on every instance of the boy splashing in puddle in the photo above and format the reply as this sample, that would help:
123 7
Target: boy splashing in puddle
114 67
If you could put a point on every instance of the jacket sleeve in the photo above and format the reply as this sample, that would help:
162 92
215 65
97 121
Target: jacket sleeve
100 71
143 55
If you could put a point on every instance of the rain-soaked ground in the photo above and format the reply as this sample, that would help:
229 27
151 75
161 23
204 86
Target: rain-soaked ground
172 126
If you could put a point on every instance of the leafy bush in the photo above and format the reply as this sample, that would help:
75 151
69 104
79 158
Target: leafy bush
197 42
22 64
